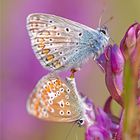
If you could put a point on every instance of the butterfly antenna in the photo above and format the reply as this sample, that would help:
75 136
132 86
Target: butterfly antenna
100 19
70 131
108 20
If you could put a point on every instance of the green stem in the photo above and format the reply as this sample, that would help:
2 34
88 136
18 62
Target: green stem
129 102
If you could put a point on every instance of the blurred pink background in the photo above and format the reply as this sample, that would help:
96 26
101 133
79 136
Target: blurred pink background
21 70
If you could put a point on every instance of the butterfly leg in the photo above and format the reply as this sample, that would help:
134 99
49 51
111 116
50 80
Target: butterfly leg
73 72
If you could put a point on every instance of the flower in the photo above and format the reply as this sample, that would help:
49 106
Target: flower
102 129
112 61
121 66
130 47
129 43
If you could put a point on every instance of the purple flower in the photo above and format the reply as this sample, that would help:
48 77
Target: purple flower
90 110
116 59
90 113
130 47
114 55
112 61
129 43
99 126
102 129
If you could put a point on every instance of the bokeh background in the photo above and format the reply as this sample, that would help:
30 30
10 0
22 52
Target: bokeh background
20 70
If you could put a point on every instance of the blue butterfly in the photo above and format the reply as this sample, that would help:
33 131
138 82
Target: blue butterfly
61 44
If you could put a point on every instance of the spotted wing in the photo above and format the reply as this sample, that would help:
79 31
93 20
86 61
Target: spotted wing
58 42
54 100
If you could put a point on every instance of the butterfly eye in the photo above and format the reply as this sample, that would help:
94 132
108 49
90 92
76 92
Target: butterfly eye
103 31
80 122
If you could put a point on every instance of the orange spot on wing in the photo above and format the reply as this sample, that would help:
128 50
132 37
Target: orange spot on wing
44 97
45 51
41 45
36 105
56 64
49 108
46 90
58 82
49 57
51 86
41 42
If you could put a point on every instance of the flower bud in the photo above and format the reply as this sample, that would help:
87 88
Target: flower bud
129 42
116 58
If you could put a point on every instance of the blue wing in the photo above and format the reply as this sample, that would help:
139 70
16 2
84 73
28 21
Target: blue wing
61 44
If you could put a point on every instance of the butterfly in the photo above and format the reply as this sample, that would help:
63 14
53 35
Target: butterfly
61 44
57 100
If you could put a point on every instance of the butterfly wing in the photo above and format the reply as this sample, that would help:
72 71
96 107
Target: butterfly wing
58 42
54 100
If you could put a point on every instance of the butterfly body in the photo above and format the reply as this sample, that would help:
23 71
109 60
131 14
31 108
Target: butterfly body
62 44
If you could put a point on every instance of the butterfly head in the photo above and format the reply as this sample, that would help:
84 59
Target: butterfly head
104 30
80 122
100 41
